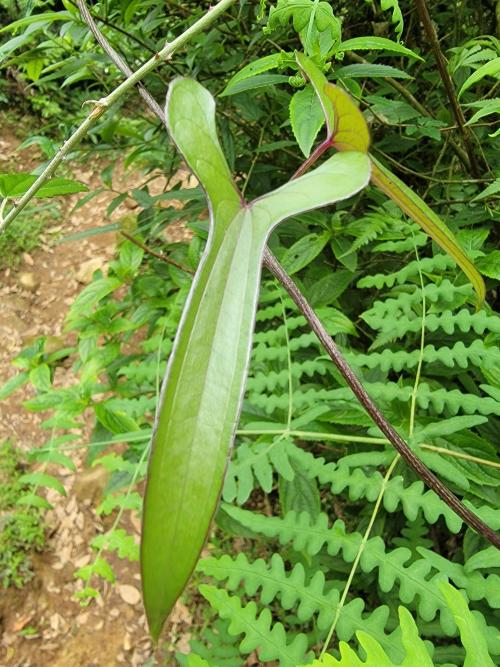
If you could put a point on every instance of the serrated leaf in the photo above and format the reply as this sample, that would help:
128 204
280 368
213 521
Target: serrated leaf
371 43
13 384
120 541
253 69
33 500
306 117
486 108
113 419
370 71
320 30
54 456
40 478
16 184
490 264
335 321
491 68
46 17
303 251
253 82
491 190
93 293
40 377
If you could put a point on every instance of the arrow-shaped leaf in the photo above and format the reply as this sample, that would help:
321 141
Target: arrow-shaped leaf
206 374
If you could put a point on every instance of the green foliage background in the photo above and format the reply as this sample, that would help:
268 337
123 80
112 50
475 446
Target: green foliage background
308 465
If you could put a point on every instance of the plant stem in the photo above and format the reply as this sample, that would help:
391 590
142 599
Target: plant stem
118 60
100 106
153 253
465 131
358 390
308 435
361 548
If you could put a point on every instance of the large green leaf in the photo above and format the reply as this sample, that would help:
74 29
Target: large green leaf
205 379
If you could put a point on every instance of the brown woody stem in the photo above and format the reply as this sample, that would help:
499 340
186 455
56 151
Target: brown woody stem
465 131
271 263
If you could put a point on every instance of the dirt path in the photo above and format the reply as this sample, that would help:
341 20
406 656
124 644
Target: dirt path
34 300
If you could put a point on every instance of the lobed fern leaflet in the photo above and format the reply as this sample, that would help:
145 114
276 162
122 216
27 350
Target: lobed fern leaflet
460 355
446 321
441 400
259 631
413 580
307 594
437 264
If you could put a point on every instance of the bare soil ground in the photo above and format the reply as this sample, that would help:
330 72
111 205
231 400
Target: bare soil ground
34 299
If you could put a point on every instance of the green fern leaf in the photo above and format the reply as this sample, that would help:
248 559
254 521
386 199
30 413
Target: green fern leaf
259 631
306 594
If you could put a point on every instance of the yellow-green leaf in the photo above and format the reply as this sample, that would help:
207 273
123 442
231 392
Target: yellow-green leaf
351 130
415 208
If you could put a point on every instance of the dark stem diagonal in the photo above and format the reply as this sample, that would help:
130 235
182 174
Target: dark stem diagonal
355 385
465 131
271 263
116 58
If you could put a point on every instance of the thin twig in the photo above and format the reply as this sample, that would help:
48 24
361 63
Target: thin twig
158 255
272 264
101 106
118 60
465 131
119 29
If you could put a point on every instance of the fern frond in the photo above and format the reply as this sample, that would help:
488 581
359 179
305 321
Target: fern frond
310 537
259 632
440 400
404 245
416 654
257 463
477 654
367 228
269 381
307 595
434 264
460 355
264 351
477 585
411 499
405 302
447 321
